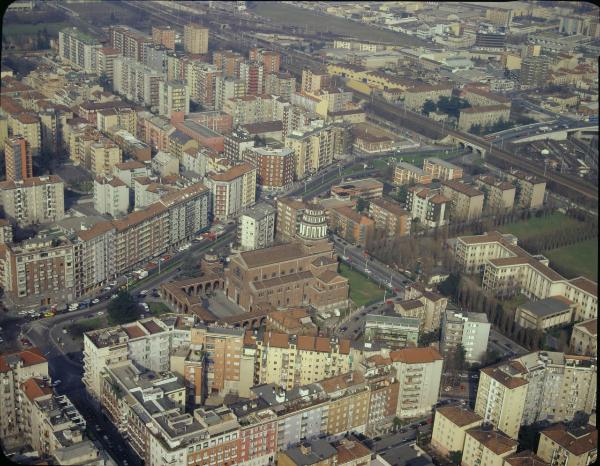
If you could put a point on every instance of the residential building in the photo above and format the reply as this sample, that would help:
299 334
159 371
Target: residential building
524 458
125 118
487 446
78 49
346 452
405 173
274 166
389 331
482 116
257 227
584 338
466 203
450 426
544 314
16 368
478 97
105 58
164 36
173 98
314 80
427 206
366 188
313 147
501 399
229 62
289 213
202 82
154 131
560 445
530 189
227 87
130 42
252 73
28 126
136 81
499 195
195 39
280 84
419 371
131 146
441 170
17 155
534 72
249 109
203 135
111 196
104 155
232 191
39 271
6 232
471 330
390 217
294 274
293 360
127 171
351 225
165 164
269 58
33 200
416 96
180 142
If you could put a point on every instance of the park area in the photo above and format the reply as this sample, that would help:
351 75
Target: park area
539 225
363 290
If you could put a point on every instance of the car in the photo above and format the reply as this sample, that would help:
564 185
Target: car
145 306
114 296
447 389
95 300
143 292
100 313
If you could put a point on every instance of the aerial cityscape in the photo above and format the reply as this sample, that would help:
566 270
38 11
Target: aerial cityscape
310 233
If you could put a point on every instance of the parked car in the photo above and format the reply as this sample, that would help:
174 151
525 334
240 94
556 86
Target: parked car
95 300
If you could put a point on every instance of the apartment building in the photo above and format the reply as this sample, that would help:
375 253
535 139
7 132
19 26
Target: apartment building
508 269
450 427
294 274
202 82
227 87
351 225
561 445
584 338
289 213
313 147
390 217
130 145
292 360
228 61
405 173
480 97
125 118
441 170
17 156
482 116
416 96
531 189
275 166
15 370
232 191
33 200
366 188
499 195
136 81
469 329
154 130
466 203
164 36
111 196
173 98
280 84
6 231
104 155
130 42
388 331
313 80
78 49
127 171
249 109
346 452
428 206
419 371
257 227
252 73
487 446
544 314
28 126
105 57
195 39
39 271
269 58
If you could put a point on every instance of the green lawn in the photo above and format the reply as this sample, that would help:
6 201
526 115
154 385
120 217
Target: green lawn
575 260
287 14
157 309
362 289
535 225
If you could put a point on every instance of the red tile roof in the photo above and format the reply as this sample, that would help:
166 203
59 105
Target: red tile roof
416 355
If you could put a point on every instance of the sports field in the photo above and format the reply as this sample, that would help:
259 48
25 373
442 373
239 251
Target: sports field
362 289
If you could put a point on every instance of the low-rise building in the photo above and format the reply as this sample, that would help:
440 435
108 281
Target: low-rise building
450 426
561 445
127 171
530 194
257 227
499 195
366 188
419 371
482 116
487 446
544 314
390 217
441 170
405 173
393 332
416 96
584 338
469 329
466 203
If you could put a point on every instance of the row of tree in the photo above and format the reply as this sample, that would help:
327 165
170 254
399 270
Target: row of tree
500 125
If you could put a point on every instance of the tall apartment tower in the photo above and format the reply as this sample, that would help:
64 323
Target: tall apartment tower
534 71
18 159
195 39
164 36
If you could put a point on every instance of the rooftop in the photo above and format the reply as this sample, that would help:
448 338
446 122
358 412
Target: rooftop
416 355
459 415
576 441
27 358
549 306
493 440
462 188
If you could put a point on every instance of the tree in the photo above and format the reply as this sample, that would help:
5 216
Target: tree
401 194
425 339
361 204
455 457
123 308
429 106
104 81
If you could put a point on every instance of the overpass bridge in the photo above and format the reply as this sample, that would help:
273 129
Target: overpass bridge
585 132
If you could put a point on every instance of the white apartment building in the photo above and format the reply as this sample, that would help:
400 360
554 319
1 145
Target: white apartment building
249 109
419 371
127 171
232 190
111 196
78 49
428 206
136 82
228 88
469 329
314 148
257 227
173 96
34 200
